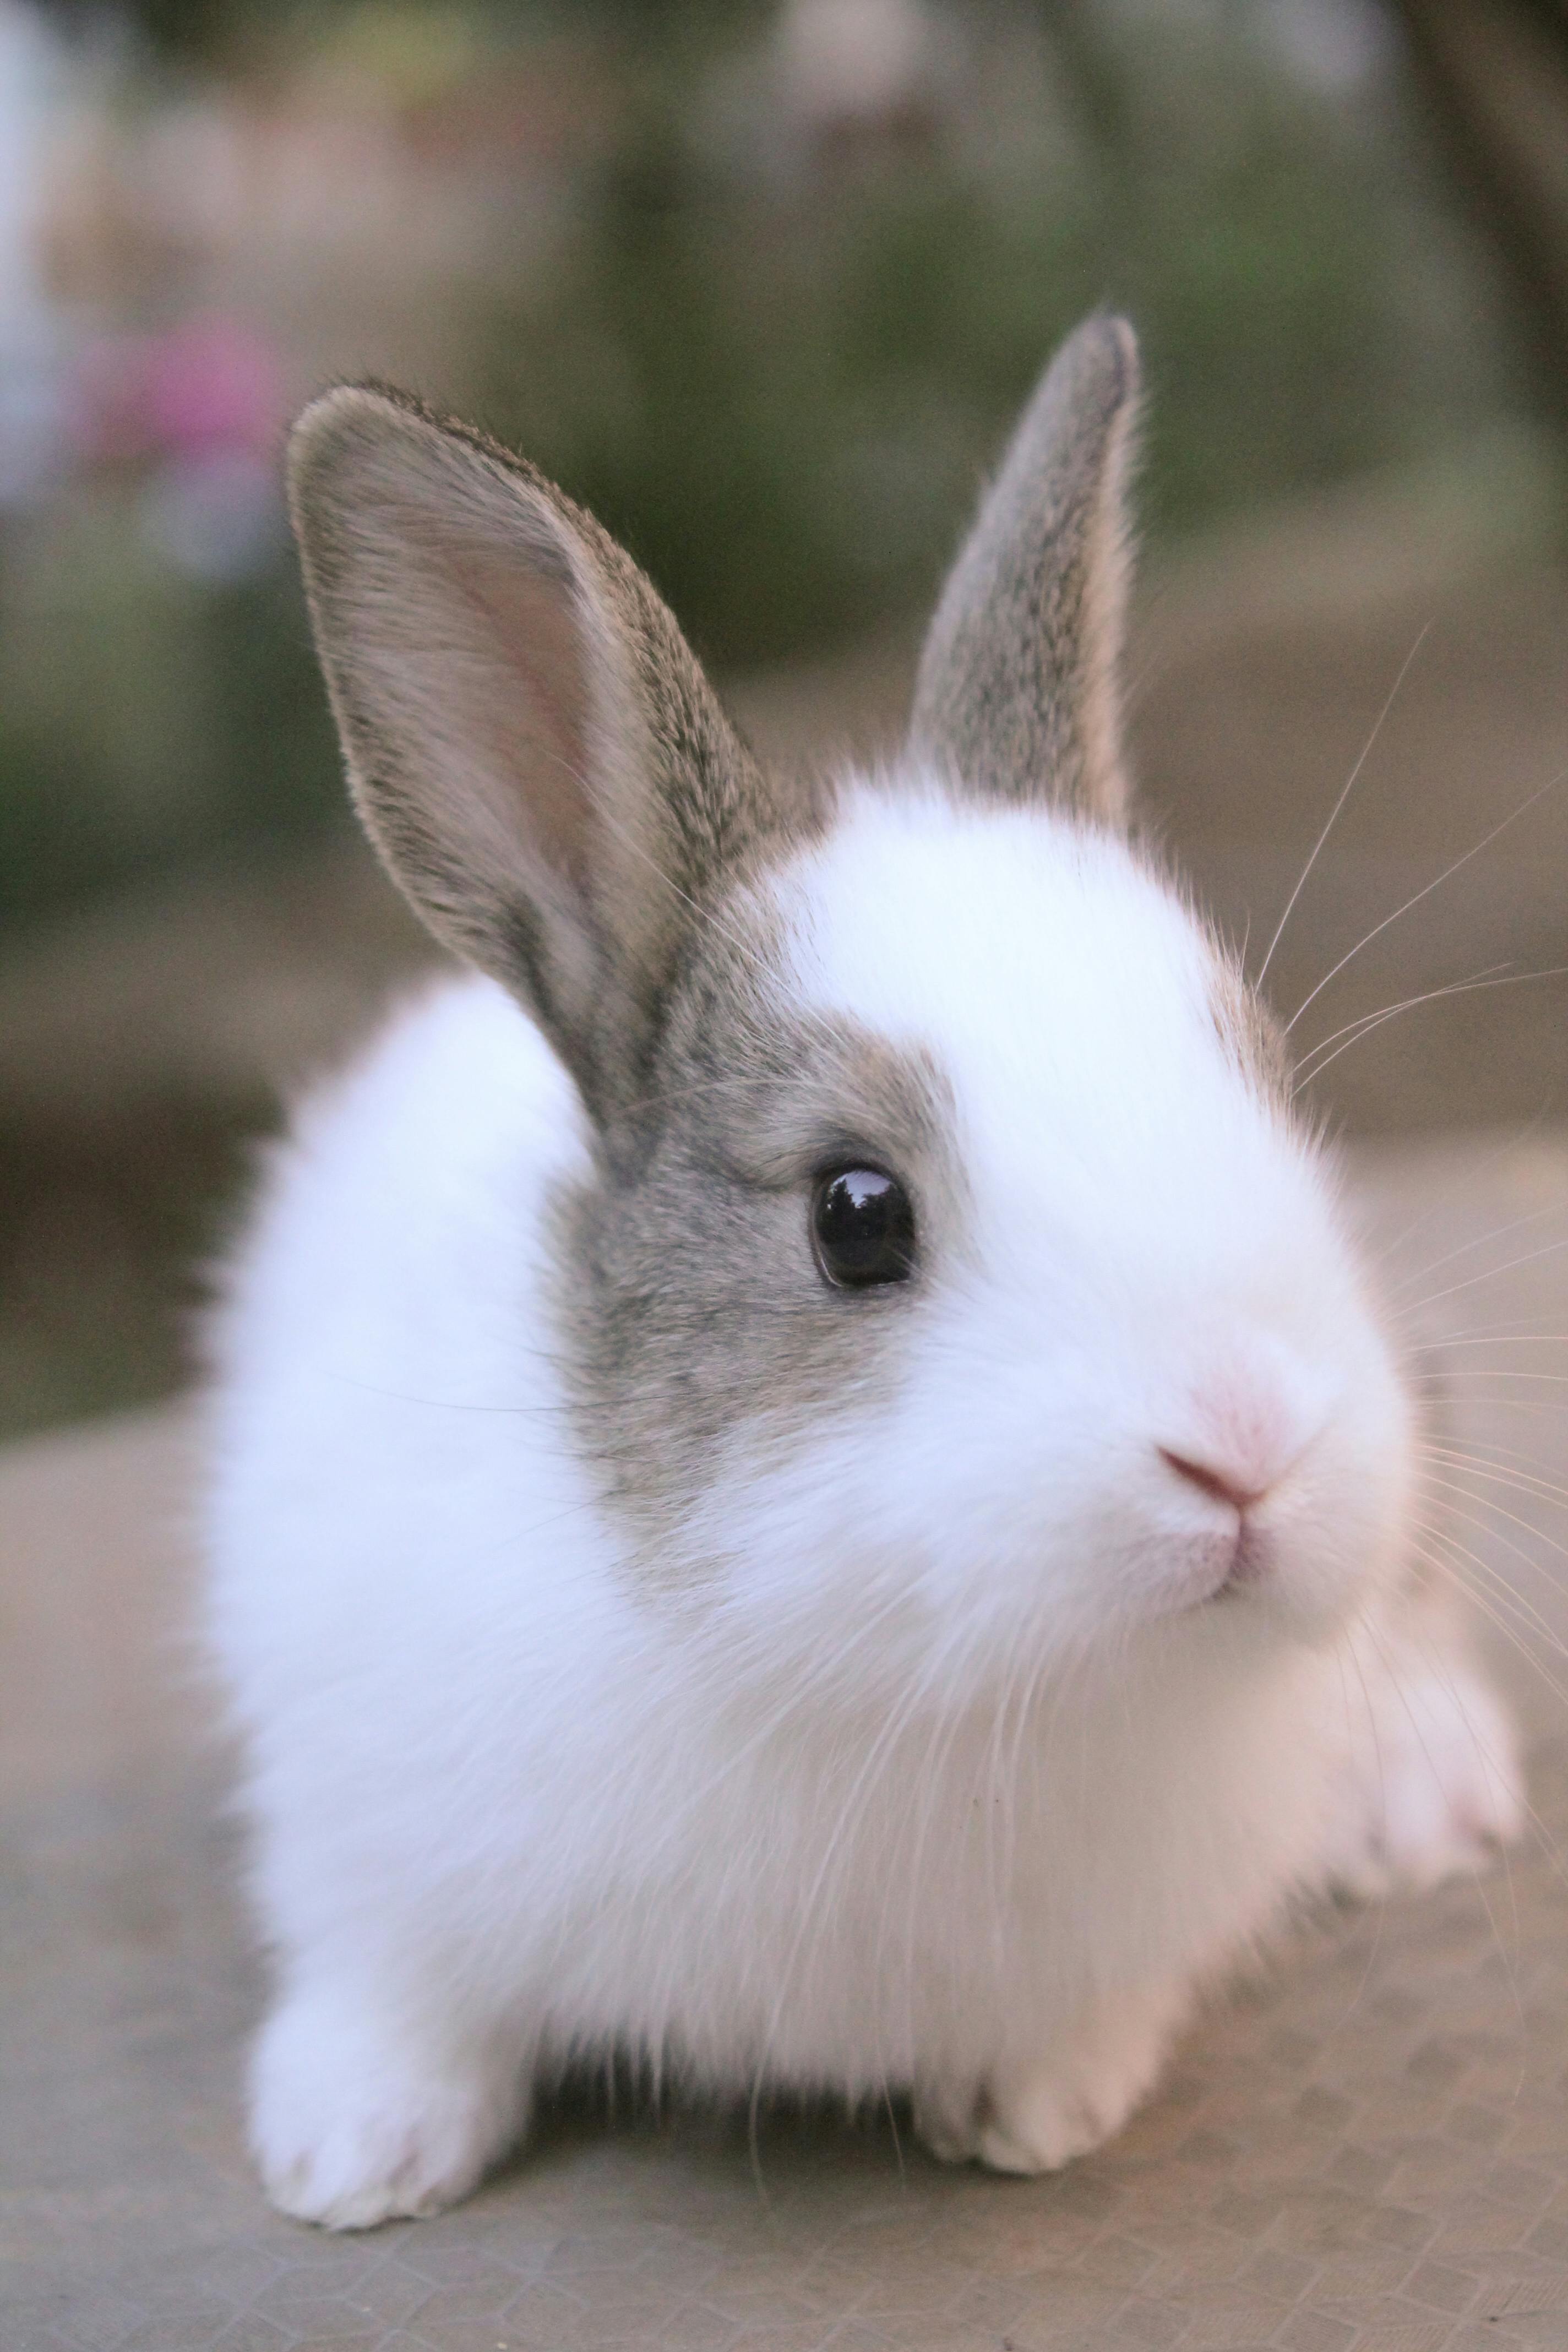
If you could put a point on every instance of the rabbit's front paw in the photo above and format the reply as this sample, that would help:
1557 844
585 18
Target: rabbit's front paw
1045 2115
351 2127
1037 2117
1437 1787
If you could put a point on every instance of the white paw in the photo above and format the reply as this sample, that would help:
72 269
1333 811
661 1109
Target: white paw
1437 1787
948 2117
1046 2121
1043 2117
351 2127
1037 2117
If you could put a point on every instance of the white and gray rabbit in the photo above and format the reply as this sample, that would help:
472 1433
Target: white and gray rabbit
807 1489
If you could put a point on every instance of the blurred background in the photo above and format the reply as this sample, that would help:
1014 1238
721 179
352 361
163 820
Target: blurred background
764 285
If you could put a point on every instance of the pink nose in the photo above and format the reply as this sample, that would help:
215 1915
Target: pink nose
1220 1483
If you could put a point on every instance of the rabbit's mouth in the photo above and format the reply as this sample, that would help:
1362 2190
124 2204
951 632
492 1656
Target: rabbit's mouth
1252 1556
1227 1569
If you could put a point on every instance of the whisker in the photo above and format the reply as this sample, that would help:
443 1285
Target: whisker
1426 892
1495 1594
1491 1605
1309 1067
1494 1579
1345 792
1486 1528
1363 1024
1510 1142
1449 1504
1522 1482
1480 1399
1488 1274
1479 1241
1490 1447
1517 1334
1490 1601
1508 1480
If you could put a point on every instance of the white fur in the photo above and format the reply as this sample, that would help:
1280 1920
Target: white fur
946 1772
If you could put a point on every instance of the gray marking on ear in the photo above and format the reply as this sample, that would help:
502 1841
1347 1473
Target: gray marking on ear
531 743
1018 695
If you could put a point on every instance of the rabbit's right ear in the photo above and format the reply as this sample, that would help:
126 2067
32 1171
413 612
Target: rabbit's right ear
531 743
1019 691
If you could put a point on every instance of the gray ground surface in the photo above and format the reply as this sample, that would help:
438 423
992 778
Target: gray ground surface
1365 2151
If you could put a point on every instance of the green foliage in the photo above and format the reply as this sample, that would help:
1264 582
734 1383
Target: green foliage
781 388
145 718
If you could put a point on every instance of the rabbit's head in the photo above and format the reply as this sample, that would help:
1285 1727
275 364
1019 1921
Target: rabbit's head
955 1286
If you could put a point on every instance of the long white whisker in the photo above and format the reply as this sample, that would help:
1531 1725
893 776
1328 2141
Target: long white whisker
1370 1021
1515 1334
1426 892
1492 1578
1490 1274
1503 1513
1479 1241
1495 1599
1510 1142
1345 792
1523 1482
1401 1004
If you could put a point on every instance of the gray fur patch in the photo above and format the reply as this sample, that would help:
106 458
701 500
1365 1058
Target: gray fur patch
694 1310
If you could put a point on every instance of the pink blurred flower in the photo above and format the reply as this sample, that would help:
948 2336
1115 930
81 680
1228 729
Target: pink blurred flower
209 386
215 385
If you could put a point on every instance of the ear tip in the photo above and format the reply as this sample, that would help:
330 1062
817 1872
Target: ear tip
356 433
1106 344
1089 398
342 413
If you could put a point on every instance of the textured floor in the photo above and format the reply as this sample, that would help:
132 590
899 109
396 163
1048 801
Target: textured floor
1365 2152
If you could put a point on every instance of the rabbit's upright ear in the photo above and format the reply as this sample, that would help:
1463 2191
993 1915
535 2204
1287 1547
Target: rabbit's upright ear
1018 696
530 741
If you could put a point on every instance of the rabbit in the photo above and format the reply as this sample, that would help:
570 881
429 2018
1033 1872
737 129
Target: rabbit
806 1484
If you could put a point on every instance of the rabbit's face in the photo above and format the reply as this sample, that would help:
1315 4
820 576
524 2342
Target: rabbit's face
976 1285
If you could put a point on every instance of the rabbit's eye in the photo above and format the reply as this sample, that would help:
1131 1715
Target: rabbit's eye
863 1228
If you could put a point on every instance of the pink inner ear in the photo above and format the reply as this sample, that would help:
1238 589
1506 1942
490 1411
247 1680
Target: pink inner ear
529 712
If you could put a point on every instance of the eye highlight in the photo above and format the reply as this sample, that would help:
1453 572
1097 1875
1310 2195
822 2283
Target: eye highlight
862 1228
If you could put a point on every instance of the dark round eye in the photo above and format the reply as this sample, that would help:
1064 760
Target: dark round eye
864 1228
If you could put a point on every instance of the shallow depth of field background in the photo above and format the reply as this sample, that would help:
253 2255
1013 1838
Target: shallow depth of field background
762 284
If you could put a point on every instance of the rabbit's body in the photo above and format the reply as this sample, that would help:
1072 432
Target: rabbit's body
650 1640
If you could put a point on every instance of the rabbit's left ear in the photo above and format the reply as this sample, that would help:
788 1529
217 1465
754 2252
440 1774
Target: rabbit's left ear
1019 691
530 743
